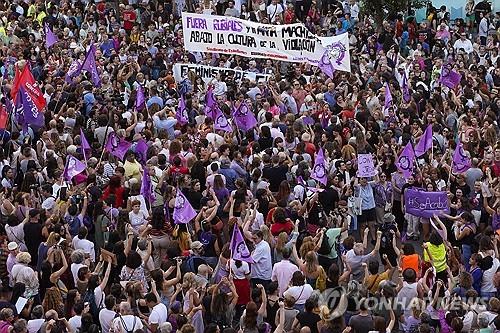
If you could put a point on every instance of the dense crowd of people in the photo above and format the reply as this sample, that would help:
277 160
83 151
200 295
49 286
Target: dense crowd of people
107 249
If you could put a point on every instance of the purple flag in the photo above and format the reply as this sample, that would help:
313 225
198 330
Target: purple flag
141 149
406 161
461 160
28 110
140 100
425 204
238 247
147 187
73 70
220 121
210 100
85 145
181 113
387 100
183 211
449 77
8 103
116 146
325 64
406 91
319 170
50 37
244 118
90 66
73 167
425 142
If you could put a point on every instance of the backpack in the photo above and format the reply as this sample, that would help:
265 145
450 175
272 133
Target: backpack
326 247
74 224
89 297
125 326
189 264
89 224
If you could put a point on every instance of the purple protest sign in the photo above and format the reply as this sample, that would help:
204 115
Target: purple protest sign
461 160
183 211
425 204
238 247
366 167
406 161
244 118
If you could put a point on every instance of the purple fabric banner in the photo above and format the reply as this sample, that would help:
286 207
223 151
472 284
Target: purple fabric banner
183 211
181 113
116 146
406 161
220 121
425 142
147 187
325 64
425 204
366 167
238 247
90 65
73 167
387 100
141 149
29 113
73 70
244 118
50 37
140 100
449 77
461 160
319 170
86 149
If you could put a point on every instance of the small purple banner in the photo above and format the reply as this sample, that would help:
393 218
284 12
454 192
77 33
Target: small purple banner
425 204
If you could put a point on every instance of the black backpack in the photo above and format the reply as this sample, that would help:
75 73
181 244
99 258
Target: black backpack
89 297
326 245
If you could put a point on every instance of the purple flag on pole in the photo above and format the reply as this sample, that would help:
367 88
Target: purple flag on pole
50 37
449 77
387 100
181 113
86 149
425 204
183 211
244 118
406 161
461 160
141 149
140 100
90 66
319 170
8 103
73 70
406 91
425 142
238 247
325 64
147 187
116 146
220 121
210 101
30 114
73 167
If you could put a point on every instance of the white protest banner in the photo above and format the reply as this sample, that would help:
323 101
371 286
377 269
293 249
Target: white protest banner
207 73
365 166
290 42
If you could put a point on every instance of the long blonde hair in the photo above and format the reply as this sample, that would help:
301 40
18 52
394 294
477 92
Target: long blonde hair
281 241
307 245
348 152
311 262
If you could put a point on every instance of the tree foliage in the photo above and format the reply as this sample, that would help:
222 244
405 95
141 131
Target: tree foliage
382 9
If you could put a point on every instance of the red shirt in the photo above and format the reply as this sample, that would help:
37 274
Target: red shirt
278 228
129 17
118 192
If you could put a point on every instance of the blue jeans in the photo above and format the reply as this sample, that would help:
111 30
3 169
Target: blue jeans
488 295
466 254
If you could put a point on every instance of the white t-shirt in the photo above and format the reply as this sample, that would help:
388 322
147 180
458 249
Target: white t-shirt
106 319
34 325
137 220
132 324
99 297
158 314
240 272
74 271
487 284
274 11
299 293
85 245
75 322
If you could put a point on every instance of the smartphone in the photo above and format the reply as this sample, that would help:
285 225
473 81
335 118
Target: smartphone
62 193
